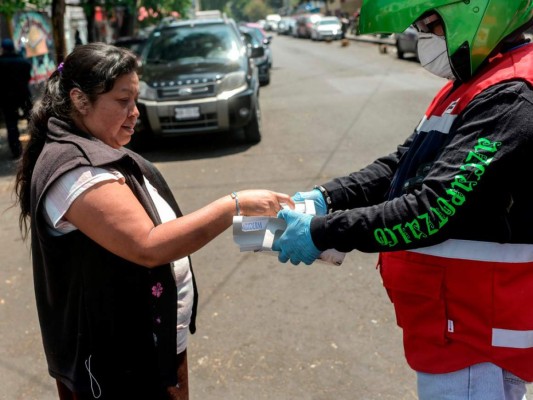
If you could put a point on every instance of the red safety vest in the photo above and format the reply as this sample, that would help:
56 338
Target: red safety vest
466 302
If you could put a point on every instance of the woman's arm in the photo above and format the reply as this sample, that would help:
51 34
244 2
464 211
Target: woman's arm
111 215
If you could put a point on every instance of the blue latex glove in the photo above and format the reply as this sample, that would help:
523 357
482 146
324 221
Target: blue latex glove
316 195
296 244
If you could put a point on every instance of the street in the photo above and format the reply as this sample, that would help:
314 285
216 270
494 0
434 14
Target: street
265 330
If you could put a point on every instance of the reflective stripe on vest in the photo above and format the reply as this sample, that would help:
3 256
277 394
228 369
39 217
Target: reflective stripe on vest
480 251
512 339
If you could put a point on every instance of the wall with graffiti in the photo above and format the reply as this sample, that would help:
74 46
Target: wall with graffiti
32 34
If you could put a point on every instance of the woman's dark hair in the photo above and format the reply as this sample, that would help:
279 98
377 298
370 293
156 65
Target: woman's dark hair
92 68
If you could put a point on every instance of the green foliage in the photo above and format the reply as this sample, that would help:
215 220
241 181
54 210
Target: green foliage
212 4
256 9
40 4
167 6
151 12
10 7
246 10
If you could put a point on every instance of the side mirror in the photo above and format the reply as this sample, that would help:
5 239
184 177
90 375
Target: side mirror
257 52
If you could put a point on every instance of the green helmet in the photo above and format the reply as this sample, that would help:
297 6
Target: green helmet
474 28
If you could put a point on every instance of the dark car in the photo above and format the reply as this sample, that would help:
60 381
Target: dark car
262 63
198 76
407 42
261 35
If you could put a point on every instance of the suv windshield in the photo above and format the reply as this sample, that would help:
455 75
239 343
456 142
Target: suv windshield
211 43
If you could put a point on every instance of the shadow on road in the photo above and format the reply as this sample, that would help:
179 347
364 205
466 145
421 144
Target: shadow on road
164 150
197 147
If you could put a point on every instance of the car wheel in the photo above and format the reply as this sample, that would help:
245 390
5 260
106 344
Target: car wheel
399 51
265 81
252 131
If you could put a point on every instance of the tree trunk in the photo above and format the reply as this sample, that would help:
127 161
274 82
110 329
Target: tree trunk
89 14
58 29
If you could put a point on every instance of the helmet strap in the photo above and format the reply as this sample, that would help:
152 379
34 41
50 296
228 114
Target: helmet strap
460 62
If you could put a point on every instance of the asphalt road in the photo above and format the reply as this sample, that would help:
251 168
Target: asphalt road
265 330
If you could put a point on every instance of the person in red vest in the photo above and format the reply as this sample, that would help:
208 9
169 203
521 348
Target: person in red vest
450 211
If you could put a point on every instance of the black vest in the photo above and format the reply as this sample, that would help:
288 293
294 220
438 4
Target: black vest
103 330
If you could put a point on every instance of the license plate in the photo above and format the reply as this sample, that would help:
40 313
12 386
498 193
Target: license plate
181 113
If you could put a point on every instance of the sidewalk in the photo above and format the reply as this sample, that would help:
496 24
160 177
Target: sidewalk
7 163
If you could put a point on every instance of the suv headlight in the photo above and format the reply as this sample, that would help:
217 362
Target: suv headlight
147 92
232 81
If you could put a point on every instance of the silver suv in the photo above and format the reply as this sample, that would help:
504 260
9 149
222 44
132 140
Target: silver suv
197 76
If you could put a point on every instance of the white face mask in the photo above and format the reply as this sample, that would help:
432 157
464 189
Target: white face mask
433 55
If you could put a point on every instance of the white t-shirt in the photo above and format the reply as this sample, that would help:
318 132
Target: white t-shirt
69 186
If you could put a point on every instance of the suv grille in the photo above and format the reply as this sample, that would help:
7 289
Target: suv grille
185 90
171 125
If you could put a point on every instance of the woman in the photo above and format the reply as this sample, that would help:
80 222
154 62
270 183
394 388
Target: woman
109 243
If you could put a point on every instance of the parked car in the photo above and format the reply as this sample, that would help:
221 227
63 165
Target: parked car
288 26
327 28
262 36
197 77
407 42
304 23
284 25
272 21
262 63
292 27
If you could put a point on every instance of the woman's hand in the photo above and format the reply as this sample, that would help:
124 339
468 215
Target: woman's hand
262 202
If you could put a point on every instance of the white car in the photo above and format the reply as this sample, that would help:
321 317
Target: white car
407 42
327 28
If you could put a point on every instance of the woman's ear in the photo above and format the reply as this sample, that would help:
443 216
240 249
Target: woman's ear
79 100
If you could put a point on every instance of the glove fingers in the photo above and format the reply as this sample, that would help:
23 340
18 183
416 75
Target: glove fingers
298 197
283 258
283 214
306 261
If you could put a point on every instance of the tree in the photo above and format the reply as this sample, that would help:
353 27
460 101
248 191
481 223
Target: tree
256 9
9 7
58 29
161 8
166 8
213 4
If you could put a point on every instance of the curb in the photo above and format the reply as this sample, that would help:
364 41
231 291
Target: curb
372 39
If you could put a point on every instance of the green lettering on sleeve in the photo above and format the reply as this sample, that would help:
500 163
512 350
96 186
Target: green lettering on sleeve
475 163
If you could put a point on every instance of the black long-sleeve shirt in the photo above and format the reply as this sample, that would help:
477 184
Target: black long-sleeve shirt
406 188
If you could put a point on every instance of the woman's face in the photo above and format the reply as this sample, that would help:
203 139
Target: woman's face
112 117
